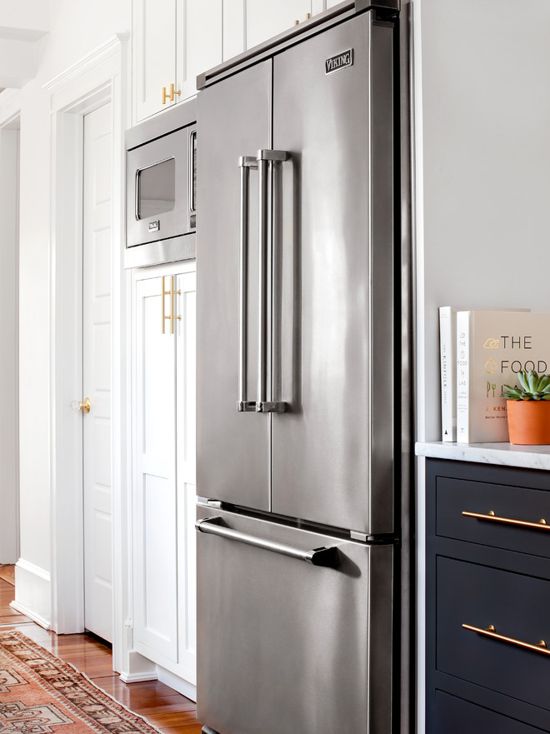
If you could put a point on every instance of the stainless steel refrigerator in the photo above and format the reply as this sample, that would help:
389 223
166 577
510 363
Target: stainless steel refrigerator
299 360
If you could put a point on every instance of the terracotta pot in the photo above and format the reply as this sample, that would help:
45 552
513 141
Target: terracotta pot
529 422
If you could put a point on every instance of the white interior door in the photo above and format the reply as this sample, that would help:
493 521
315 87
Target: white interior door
96 337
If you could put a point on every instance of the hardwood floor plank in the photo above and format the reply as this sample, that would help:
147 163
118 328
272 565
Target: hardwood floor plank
165 708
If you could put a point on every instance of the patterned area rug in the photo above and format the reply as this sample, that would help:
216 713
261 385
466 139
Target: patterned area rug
41 694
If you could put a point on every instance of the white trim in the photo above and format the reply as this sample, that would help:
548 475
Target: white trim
10 105
104 51
138 677
178 684
32 615
33 589
97 79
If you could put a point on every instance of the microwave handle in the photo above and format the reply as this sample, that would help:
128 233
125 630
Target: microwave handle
136 195
191 178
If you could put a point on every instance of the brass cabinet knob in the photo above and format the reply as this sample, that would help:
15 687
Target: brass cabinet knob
85 405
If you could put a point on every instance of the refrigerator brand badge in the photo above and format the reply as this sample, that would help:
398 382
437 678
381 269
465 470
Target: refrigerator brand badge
340 61
154 226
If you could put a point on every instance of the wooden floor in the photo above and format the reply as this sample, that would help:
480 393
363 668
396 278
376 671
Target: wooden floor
165 709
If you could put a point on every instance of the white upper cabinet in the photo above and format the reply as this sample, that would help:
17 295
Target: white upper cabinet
175 40
267 19
154 54
199 41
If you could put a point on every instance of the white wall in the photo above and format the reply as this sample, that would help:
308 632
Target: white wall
9 432
483 178
77 28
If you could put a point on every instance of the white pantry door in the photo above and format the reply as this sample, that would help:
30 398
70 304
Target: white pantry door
96 377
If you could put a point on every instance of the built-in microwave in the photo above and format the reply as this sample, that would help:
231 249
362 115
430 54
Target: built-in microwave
161 184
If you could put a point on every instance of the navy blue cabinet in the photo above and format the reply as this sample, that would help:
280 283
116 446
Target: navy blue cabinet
488 599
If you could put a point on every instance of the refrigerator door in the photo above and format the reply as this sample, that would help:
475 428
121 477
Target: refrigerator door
287 646
333 315
234 120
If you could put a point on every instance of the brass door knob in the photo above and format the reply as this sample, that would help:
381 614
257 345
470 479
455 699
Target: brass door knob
85 405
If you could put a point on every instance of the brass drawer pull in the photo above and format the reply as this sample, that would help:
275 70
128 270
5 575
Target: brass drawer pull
491 631
492 517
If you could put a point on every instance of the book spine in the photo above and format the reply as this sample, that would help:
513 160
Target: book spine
463 357
447 342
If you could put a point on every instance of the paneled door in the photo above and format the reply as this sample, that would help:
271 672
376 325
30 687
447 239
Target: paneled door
163 494
96 377
154 55
154 485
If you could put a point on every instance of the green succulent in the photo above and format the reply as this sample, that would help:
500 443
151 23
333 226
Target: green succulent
532 386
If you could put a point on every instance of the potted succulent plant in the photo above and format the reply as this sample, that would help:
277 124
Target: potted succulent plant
528 406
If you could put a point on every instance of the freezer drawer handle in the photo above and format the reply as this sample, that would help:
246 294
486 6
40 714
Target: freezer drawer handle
324 556
264 162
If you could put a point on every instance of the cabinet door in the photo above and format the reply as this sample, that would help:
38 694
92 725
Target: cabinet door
154 54
199 42
154 481
265 20
186 472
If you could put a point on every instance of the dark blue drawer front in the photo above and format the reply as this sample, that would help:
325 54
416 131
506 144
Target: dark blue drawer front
457 495
452 715
517 605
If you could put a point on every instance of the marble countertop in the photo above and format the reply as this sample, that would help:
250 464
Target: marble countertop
503 454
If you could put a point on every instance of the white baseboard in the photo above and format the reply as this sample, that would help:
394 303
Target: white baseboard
22 609
138 677
33 592
178 684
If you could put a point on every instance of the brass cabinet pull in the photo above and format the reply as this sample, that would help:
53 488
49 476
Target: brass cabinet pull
165 96
174 92
491 631
172 293
491 516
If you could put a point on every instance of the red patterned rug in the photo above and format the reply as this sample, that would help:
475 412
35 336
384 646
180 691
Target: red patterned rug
41 694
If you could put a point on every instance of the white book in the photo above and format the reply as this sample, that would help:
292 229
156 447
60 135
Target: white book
447 352
492 347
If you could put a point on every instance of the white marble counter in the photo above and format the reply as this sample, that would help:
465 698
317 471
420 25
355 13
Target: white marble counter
504 454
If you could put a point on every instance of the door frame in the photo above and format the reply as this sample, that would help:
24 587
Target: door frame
98 79
10 116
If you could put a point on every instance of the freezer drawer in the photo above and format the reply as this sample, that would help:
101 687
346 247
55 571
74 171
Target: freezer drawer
294 629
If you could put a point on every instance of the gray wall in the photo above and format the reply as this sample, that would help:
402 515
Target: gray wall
484 165
482 149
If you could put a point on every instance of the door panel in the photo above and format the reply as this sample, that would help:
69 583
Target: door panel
333 334
96 318
154 493
234 119
313 644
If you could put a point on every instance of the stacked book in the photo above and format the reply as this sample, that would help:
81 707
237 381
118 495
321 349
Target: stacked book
481 351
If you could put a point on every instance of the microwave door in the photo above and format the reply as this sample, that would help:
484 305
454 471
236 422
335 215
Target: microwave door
158 189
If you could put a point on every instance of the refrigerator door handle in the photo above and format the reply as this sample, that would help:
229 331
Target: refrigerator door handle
266 162
243 404
325 556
